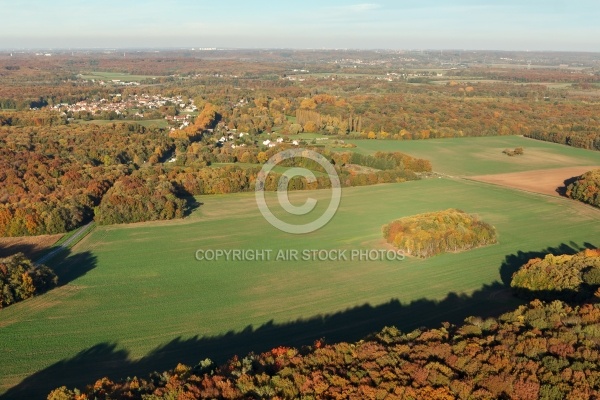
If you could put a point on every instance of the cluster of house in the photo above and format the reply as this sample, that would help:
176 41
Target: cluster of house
183 120
121 83
231 136
138 102
269 143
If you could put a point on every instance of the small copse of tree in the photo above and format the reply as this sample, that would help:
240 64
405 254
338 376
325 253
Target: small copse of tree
429 234
518 151
20 279
586 188
564 277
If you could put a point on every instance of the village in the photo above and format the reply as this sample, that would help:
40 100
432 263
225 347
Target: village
134 106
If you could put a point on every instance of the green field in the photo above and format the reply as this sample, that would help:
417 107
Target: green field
137 300
148 123
122 76
483 155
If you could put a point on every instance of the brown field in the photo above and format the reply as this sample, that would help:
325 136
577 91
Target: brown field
544 181
31 246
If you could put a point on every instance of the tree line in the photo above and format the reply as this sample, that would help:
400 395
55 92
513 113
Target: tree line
575 136
54 175
540 351
162 192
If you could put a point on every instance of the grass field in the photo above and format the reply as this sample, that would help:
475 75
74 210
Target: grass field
482 156
135 299
125 77
148 123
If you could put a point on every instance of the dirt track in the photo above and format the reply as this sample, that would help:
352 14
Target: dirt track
545 181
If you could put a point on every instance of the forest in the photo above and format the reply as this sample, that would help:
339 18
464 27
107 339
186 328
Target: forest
57 176
426 235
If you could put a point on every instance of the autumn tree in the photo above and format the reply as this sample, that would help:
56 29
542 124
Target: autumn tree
20 279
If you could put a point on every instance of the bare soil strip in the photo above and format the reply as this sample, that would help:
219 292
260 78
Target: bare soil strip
544 181
32 246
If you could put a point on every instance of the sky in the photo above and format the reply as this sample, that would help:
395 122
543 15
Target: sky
375 24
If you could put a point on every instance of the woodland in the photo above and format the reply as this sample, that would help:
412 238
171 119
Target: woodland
56 167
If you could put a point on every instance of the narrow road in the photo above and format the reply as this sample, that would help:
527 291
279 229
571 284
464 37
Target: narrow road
78 235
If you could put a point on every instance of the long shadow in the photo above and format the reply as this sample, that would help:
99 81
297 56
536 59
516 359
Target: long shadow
562 190
32 252
68 266
108 359
191 205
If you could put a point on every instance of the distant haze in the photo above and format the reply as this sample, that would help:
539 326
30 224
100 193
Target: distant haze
399 24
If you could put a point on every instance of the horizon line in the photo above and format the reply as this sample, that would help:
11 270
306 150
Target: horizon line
221 48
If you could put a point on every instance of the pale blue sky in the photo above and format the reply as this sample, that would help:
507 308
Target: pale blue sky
402 24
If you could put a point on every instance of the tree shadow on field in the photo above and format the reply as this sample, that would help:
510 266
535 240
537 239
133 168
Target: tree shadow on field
29 250
114 362
191 205
68 266
562 190
352 324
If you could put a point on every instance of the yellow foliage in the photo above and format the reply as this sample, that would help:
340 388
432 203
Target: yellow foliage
262 157
310 126
308 104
